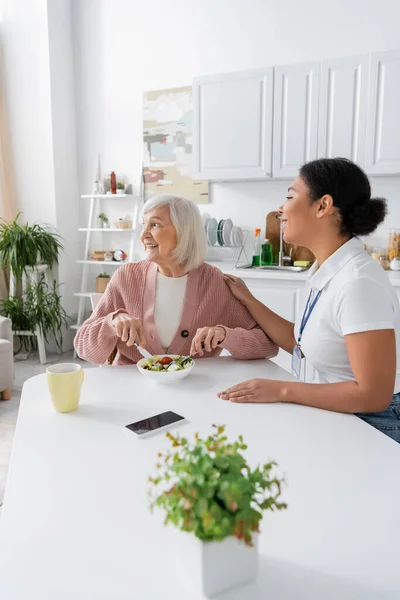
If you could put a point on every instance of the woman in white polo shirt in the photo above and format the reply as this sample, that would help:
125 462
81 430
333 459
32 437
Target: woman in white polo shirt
350 330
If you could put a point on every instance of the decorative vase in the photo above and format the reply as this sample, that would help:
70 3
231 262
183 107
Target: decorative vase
101 284
215 567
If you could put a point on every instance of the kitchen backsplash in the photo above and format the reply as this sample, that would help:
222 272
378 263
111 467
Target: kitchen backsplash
247 203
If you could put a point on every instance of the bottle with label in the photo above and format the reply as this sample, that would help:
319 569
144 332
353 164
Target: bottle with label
266 253
257 248
113 183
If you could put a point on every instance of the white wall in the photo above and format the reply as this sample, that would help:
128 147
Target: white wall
24 36
66 196
37 55
123 47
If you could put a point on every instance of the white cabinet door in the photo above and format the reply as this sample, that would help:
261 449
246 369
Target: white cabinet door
296 91
283 297
383 121
233 126
343 108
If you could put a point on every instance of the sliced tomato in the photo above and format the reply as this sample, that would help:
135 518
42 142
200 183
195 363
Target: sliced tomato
165 360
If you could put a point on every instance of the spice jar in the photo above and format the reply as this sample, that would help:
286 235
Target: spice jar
384 262
377 253
394 244
395 264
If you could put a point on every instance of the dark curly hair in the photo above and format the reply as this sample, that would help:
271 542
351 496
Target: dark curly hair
351 192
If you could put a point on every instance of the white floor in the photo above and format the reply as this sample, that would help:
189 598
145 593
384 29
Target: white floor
24 369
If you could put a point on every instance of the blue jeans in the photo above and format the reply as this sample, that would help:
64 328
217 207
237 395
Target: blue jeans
387 421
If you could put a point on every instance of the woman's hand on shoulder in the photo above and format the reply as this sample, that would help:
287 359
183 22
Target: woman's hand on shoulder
239 289
130 330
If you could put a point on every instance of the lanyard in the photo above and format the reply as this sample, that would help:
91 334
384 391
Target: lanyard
307 312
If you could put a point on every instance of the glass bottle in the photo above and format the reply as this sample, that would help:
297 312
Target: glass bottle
266 253
394 244
256 249
113 182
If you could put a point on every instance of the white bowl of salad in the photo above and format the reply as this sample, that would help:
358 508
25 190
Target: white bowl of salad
166 368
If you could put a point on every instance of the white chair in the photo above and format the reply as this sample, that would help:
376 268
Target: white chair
95 299
6 358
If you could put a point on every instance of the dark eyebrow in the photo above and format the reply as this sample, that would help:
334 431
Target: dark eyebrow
291 188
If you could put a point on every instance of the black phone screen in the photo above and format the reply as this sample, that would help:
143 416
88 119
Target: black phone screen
153 423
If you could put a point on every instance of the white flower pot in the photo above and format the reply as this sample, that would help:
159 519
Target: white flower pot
215 567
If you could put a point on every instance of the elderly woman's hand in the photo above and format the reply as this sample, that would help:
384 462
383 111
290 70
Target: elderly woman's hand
130 330
239 289
207 338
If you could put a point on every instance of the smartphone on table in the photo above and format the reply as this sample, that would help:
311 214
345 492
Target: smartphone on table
152 424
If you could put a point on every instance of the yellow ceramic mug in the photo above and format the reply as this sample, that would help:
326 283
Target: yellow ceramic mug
65 382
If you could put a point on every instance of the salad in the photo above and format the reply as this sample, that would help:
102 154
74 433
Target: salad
168 364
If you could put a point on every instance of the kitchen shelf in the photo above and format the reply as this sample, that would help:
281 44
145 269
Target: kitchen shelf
99 203
86 294
105 229
106 196
111 263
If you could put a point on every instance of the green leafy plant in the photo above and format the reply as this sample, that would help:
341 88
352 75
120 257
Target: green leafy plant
13 308
39 308
210 490
104 276
120 185
23 246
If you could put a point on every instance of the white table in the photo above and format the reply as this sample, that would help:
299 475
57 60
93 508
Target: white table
75 523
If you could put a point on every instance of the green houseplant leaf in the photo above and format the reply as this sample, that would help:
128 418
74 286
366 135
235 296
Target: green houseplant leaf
40 308
207 488
23 246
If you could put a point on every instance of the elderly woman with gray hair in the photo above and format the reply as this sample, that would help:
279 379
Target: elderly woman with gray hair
172 302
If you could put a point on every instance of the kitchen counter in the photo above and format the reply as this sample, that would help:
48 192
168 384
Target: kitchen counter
229 269
226 267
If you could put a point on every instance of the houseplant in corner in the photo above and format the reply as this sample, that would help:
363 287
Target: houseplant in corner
23 246
39 308
209 492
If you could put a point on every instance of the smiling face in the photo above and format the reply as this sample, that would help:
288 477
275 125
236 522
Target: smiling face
299 219
159 236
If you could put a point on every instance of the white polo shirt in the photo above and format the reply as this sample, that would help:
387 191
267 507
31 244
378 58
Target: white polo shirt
356 296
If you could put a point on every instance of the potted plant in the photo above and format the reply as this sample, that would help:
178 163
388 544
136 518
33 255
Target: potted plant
120 187
23 246
209 492
40 308
103 220
102 281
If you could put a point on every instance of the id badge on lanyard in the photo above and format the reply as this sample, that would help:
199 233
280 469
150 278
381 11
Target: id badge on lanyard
296 356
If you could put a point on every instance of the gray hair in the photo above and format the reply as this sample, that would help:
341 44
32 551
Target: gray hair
191 248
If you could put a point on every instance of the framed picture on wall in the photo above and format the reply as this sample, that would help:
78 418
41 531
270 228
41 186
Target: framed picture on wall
167 145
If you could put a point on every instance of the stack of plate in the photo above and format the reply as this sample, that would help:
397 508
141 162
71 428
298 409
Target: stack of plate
222 233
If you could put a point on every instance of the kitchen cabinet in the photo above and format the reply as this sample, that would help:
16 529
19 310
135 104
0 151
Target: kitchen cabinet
296 89
233 126
343 108
383 125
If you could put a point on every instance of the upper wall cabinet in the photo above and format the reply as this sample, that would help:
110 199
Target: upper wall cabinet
343 108
383 125
233 126
295 117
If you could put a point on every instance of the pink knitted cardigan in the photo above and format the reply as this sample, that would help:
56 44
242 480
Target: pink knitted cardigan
208 302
